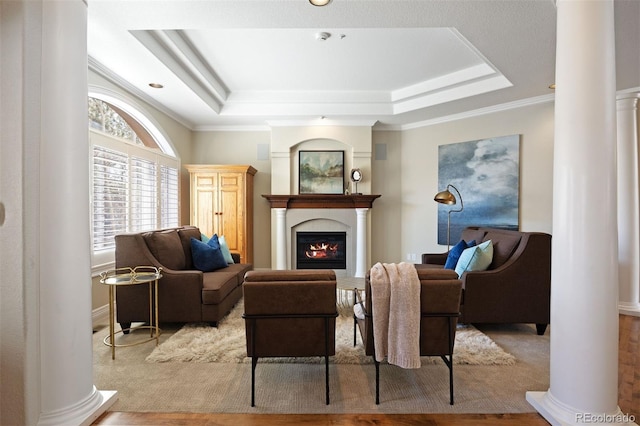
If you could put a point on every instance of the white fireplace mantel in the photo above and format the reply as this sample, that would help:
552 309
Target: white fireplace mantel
348 210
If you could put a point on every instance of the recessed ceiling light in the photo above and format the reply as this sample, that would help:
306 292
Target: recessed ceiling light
319 2
156 85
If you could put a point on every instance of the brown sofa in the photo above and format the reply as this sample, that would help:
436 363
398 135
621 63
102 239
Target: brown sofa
185 294
516 288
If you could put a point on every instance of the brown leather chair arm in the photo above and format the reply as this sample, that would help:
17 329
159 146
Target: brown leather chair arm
289 297
434 258
436 274
290 275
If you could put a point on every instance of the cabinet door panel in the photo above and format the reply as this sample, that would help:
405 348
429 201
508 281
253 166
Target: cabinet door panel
231 211
205 216
204 200
231 219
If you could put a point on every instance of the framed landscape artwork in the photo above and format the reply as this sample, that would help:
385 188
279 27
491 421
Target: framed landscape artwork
321 172
487 174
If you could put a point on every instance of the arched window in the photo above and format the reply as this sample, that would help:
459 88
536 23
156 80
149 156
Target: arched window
134 180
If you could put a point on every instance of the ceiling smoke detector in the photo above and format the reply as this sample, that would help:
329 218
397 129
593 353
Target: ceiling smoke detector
322 36
319 2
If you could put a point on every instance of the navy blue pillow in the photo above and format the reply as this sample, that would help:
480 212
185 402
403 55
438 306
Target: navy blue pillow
455 252
214 242
207 257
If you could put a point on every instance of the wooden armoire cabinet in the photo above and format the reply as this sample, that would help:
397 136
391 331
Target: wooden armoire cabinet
222 203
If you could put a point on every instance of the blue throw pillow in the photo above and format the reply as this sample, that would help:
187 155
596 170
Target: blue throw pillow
477 258
455 252
214 242
206 256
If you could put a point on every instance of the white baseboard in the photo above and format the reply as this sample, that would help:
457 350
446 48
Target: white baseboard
100 316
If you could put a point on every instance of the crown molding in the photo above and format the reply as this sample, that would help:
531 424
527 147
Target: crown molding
322 122
233 128
480 112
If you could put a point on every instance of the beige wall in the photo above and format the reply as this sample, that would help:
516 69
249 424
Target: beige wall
419 171
386 214
403 219
242 148
286 142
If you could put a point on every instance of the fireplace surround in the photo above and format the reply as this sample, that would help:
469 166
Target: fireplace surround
326 213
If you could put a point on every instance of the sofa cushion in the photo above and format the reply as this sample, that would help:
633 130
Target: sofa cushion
218 285
455 252
471 233
504 245
186 234
207 257
239 269
167 248
477 258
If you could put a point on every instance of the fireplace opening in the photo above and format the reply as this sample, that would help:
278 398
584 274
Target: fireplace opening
321 250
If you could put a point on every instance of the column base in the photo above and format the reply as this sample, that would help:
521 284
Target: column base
629 309
558 414
83 413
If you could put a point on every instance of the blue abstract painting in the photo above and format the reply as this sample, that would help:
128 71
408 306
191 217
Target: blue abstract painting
487 174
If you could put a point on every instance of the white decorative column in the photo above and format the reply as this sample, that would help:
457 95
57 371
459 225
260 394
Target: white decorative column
361 242
628 206
66 375
281 238
46 344
584 278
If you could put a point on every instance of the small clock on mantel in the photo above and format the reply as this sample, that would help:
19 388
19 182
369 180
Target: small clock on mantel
356 176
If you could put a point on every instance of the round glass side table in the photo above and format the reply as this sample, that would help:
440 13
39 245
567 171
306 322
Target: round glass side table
132 276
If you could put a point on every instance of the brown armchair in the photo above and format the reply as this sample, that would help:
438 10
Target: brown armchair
290 313
440 291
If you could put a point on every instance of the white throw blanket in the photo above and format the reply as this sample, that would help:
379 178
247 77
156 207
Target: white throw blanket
395 304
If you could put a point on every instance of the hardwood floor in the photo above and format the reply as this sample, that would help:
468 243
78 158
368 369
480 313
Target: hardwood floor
629 365
159 419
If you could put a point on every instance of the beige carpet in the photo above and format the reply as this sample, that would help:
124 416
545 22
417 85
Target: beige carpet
299 388
227 344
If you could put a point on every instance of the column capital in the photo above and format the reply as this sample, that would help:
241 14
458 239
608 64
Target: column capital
627 101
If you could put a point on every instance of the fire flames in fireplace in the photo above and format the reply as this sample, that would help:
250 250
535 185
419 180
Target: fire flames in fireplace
321 250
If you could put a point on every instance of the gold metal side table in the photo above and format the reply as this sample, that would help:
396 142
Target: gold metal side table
132 276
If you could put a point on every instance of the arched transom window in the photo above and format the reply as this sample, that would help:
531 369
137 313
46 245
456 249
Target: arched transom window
134 181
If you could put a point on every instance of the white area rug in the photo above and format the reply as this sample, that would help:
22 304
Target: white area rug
226 344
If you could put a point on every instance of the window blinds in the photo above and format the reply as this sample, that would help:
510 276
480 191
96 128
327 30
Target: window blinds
134 189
